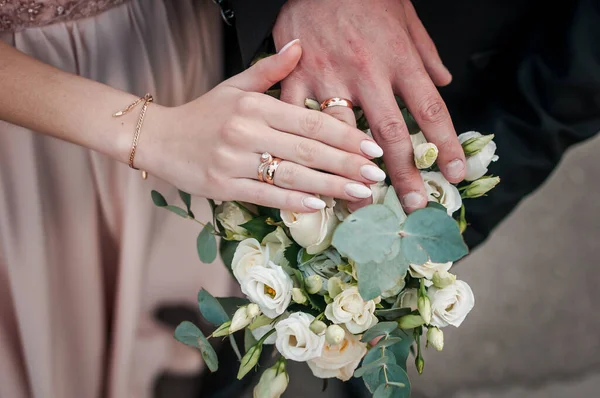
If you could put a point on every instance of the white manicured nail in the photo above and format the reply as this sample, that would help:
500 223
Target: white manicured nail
358 190
372 173
313 203
370 148
287 46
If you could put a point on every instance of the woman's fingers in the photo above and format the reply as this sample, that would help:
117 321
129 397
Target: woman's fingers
292 176
268 71
317 155
263 194
318 126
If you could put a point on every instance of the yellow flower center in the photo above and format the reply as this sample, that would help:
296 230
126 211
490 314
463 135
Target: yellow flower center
269 291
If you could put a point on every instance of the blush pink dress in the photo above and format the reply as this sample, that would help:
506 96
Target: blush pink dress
85 257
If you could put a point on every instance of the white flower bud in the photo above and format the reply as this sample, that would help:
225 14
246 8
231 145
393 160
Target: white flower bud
442 279
476 143
222 330
335 335
273 382
253 310
480 187
424 306
410 321
435 337
480 152
318 327
298 296
313 284
240 320
425 155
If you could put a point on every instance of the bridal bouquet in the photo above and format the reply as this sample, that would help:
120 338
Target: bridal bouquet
352 294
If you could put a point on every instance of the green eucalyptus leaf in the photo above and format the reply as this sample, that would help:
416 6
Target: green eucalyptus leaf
158 199
380 329
374 278
398 376
392 202
372 379
378 363
392 314
385 391
249 339
291 254
186 198
437 206
231 304
370 234
270 212
211 309
190 335
429 234
258 228
227 250
386 342
234 347
206 244
177 210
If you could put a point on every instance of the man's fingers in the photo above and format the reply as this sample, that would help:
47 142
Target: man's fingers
430 112
426 48
343 113
389 130
294 92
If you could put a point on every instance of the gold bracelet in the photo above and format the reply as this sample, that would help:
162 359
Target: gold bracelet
147 99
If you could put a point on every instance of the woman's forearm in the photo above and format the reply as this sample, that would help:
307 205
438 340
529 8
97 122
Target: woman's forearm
52 102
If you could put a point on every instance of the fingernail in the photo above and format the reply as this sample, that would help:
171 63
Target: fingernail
370 148
287 46
413 200
358 190
455 168
313 203
372 173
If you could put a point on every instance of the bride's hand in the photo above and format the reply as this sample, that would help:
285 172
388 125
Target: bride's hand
211 147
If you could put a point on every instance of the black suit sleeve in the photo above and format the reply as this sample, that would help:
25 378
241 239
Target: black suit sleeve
253 20
551 101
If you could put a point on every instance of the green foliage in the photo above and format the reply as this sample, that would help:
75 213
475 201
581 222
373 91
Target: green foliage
206 244
231 304
158 199
227 250
211 309
258 228
429 234
190 335
392 202
380 329
411 123
291 254
392 314
370 234
374 278
273 214
186 198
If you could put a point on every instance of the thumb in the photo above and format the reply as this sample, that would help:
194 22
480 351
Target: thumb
268 71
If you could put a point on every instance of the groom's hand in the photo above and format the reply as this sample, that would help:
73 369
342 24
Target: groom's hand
365 51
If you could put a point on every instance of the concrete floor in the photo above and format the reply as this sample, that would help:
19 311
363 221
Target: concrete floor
535 329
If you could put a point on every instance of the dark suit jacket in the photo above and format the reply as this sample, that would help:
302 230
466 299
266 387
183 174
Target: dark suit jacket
526 70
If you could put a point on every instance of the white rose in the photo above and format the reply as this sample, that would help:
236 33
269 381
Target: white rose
408 299
348 308
231 216
428 269
339 360
248 254
477 165
451 304
269 287
296 341
379 190
312 231
276 243
441 191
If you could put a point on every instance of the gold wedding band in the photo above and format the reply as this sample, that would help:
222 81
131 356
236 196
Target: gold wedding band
336 101
265 159
269 173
